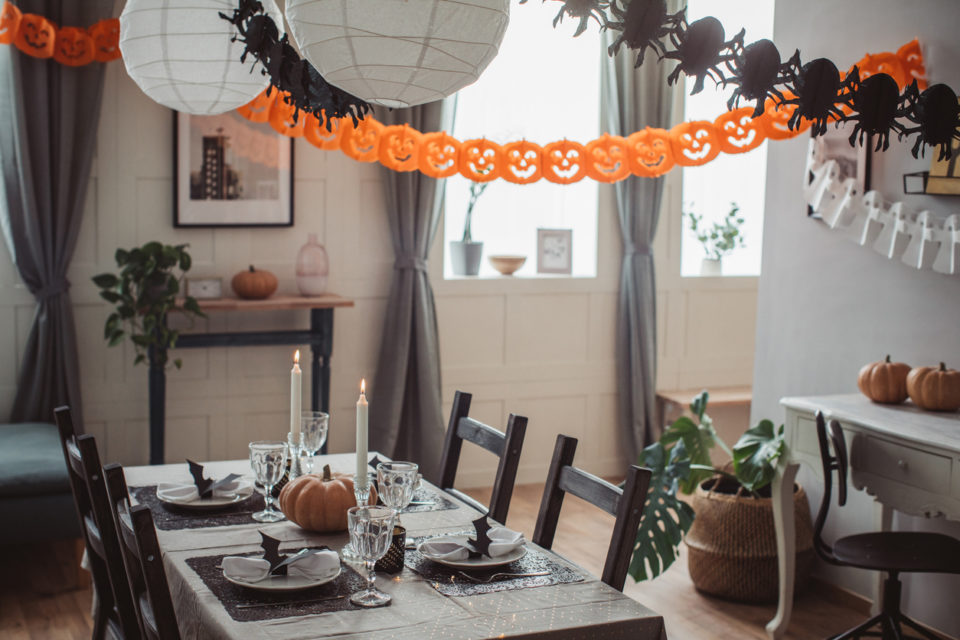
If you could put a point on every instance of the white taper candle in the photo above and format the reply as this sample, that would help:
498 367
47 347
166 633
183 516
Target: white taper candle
295 397
362 480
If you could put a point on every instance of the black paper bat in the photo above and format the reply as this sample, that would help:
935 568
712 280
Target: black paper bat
206 486
271 553
481 544
375 461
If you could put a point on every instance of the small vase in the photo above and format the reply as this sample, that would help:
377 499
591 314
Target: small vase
711 267
313 268
465 257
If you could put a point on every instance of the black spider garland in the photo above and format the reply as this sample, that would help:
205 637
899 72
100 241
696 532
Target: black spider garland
874 104
305 87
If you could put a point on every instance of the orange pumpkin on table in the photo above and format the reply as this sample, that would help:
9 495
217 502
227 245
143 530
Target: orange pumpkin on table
934 388
253 284
884 382
320 503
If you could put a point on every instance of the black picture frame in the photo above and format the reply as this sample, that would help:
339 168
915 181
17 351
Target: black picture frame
206 213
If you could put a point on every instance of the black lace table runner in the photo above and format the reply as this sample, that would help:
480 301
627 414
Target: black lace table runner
451 582
170 518
249 605
435 501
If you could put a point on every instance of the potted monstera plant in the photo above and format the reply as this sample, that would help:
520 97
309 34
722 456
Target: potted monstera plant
143 293
728 523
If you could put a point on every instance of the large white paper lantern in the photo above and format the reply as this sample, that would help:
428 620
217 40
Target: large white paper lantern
179 52
399 53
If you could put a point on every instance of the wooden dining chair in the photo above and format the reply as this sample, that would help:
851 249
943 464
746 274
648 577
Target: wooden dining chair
114 606
142 559
626 505
506 446
893 552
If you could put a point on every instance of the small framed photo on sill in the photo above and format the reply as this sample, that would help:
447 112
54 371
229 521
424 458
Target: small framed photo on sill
555 251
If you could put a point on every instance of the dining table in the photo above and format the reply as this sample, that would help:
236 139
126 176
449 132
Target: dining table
429 601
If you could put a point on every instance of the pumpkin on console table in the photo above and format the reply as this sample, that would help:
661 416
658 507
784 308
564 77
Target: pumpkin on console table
254 284
884 382
320 502
935 388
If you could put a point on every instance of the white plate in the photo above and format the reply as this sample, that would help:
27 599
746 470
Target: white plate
482 562
208 503
287 583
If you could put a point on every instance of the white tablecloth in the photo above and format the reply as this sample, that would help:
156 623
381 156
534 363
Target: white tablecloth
589 609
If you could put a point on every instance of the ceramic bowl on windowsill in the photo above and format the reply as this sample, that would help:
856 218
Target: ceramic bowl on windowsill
507 265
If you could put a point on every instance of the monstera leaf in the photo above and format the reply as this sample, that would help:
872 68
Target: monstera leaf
756 453
665 517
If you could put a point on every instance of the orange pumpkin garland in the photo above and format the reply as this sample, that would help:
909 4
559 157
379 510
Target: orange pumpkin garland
564 162
480 160
400 147
74 47
10 17
439 155
738 131
36 36
695 143
522 162
651 152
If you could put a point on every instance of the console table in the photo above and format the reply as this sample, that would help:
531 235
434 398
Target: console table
319 336
907 458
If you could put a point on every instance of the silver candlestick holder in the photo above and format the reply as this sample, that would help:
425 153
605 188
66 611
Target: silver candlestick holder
362 495
295 452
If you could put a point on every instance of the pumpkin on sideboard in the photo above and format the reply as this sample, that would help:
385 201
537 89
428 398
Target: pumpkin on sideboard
935 388
254 284
320 502
885 381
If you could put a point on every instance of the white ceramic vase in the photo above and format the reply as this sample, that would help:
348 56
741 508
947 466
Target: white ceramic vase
711 267
313 268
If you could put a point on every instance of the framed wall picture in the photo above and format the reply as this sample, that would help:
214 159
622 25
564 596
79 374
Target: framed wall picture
853 162
230 172
555 251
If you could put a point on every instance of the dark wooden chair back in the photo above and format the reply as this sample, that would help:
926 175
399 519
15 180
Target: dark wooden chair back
626 505
115 607
830 436
506 446
142 559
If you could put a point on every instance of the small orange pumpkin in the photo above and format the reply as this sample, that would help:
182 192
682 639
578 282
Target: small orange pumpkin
934 388
884 382
253 284
320 503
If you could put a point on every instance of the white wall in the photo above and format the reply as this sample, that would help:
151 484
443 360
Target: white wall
539 348
827 306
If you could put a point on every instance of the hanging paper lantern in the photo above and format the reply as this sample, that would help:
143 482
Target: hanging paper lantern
181 54
399 53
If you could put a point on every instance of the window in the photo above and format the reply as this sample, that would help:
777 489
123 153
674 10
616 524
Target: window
710 189
543 86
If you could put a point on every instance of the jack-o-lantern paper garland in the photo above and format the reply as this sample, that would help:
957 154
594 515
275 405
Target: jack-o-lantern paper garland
564 162
400 147
651 152
39 37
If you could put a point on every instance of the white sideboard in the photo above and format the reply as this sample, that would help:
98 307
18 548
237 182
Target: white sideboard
907 458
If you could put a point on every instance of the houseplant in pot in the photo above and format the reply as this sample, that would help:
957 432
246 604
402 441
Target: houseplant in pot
728 524
718 240
143 293
465 254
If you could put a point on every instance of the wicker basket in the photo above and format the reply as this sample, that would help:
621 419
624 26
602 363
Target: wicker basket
732 546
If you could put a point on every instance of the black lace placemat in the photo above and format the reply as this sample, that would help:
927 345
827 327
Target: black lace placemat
439 500
249 605
170 518
450 582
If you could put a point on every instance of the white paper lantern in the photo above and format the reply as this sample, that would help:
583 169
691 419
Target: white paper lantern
179 52
399 53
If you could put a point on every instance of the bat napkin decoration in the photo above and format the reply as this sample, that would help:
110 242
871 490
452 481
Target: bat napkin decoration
481 544
206 486
278 561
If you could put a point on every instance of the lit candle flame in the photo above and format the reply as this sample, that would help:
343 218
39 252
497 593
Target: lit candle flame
296 357
363 385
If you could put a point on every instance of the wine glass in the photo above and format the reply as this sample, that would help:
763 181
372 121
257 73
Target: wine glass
396 483
268 459
371 532
313 426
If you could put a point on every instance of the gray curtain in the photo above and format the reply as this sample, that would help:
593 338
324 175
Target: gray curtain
634 99
48 126
406 416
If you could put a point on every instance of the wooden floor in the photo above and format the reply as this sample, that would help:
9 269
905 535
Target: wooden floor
39 599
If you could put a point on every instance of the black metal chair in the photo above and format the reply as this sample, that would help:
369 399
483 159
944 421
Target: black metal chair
115 610
893 552
142 559
507 446
626 505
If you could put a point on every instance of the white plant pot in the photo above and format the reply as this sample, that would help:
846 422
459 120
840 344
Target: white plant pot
711 267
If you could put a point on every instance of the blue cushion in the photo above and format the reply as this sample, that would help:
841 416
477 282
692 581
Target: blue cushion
31 460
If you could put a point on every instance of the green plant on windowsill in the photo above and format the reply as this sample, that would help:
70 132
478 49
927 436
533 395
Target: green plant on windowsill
680 462
722 237
143 293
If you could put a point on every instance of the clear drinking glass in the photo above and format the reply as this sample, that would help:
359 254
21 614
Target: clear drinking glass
313 426
396 483
268 459
371 532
